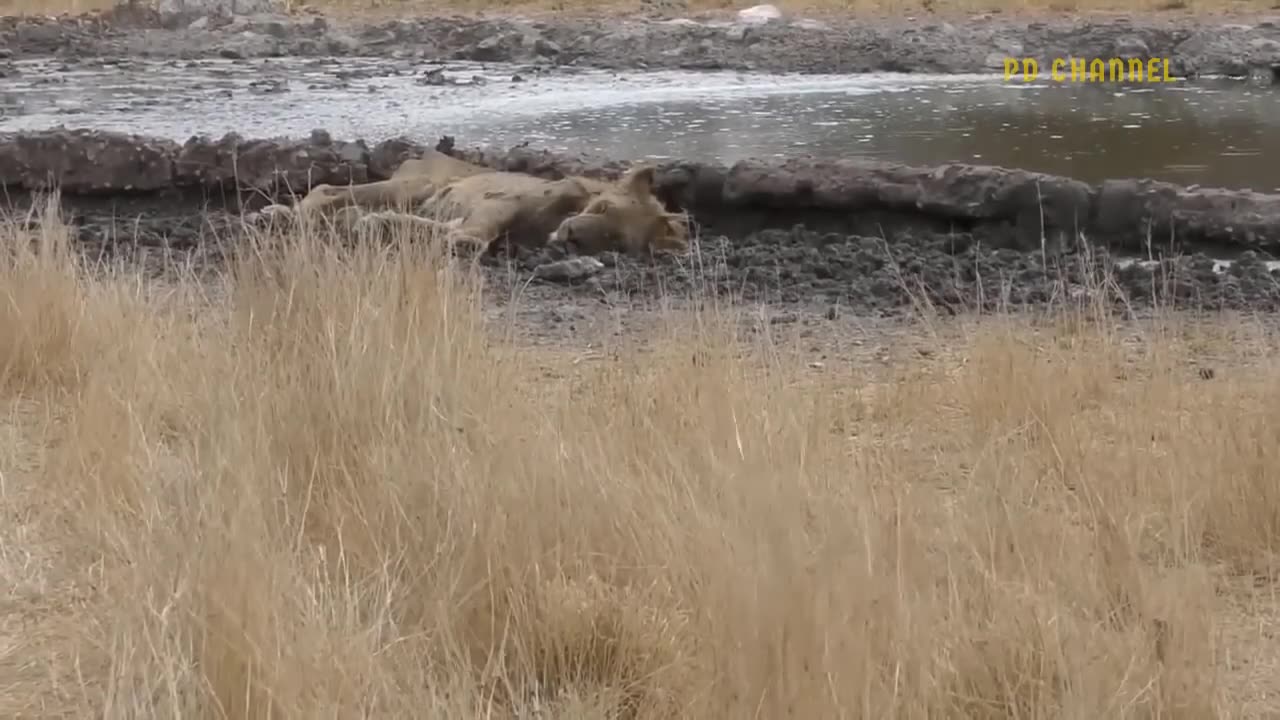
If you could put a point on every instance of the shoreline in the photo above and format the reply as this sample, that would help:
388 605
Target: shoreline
1009 207
851 233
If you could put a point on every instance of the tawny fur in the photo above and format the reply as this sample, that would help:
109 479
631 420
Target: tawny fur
522 208
415 181
477 206
437 168
625 217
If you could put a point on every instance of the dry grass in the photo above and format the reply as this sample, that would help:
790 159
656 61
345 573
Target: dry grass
806 8
320 489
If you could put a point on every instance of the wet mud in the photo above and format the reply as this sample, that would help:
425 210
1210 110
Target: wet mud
869 275
1001 207
874 238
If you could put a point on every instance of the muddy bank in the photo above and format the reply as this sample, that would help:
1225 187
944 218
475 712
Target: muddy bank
873 236
1004 208
798 271
979 44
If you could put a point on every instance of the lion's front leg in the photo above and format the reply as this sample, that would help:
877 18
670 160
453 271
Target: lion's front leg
452 232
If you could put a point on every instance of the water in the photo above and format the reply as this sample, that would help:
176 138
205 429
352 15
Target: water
1216 133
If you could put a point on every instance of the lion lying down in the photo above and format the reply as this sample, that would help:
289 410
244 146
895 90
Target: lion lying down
476 206
416 180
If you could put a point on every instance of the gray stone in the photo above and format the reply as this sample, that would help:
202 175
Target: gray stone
218 7
810 24
546 48
1130 47
759 15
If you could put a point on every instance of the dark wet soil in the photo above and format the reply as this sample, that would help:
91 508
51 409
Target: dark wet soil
784 268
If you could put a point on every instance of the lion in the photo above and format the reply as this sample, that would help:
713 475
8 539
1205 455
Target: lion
414 182
625 217
437 167
477 206
522 209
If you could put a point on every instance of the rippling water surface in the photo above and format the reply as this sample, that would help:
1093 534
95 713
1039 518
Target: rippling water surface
1211 133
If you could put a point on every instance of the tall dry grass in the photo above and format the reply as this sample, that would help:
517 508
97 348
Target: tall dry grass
320 489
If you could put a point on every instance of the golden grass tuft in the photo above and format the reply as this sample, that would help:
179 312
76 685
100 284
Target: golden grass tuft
318 487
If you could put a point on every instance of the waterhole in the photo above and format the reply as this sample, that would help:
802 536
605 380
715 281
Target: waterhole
1211 132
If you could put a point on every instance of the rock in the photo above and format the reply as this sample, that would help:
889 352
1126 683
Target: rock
437 78
495 48
270 86
994 61
337 43
809 24
568 270
433 77
759 15
388 155
1130 47
664 8
546 48
1010 47
1264 50
1235 69
270 165
354 155
217 8
1189 215
278 29
86 161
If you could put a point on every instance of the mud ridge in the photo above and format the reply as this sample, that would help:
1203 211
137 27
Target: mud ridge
869 234
1004 207
1231 46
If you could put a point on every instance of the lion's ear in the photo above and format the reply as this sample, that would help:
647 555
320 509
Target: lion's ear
639 181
